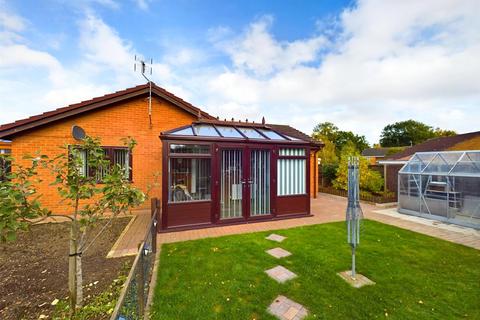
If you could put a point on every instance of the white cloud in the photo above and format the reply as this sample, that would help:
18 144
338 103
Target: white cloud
393 60
143 4
9 20
376 63
259 52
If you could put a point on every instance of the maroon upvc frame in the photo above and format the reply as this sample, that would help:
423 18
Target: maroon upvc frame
206 213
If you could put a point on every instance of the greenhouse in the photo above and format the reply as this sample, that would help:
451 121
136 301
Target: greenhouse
443 186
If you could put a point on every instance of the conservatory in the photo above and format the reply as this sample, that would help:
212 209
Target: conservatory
222 172
443 186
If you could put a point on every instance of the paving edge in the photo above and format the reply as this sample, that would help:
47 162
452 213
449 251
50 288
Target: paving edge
111 253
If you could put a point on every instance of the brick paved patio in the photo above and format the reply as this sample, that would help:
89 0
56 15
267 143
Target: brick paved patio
326 208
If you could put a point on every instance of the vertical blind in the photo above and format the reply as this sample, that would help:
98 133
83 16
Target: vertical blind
116 156
291 172
231 184
260 182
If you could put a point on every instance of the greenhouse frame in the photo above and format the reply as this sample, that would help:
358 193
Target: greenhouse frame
442 185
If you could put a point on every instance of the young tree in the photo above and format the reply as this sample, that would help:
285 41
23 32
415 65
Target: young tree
77 172
370 180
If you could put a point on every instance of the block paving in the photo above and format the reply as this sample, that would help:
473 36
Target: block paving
286 309
276 237
359 281
278 253
280 274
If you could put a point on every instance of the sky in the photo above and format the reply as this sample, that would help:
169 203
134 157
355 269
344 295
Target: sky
359 64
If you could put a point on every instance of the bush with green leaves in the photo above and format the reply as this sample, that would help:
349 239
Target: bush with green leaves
370 180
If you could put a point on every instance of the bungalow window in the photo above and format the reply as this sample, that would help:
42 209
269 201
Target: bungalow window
291 171
115 156
5 167
189 177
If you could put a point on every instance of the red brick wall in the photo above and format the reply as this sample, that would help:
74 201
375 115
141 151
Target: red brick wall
110 124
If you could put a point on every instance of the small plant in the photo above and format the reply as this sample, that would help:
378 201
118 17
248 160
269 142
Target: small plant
99 306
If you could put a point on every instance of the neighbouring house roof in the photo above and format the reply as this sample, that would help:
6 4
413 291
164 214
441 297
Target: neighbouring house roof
375 152
290 131
236 130
436 144
7 131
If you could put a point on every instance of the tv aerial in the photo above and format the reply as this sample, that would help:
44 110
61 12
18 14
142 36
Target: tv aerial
145 67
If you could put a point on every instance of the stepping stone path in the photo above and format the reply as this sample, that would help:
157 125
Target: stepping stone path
280 274
282 307
286 309
278 253
359 281
276 237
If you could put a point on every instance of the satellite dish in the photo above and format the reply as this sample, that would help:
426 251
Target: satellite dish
78 133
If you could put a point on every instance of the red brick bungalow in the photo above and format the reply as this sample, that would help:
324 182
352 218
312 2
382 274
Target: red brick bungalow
211 171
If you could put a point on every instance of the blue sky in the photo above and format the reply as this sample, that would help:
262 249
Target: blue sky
360 64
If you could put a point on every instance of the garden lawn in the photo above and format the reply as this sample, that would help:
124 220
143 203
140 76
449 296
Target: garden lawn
417 276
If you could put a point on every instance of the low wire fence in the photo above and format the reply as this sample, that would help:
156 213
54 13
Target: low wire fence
133 299
364 197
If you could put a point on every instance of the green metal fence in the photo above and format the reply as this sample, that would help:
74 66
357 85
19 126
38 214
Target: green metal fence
133 299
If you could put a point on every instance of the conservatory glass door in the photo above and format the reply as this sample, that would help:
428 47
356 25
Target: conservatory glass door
231 183
259 182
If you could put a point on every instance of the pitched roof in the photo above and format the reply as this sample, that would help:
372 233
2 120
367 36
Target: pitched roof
435 144
290 131
8 130
375 152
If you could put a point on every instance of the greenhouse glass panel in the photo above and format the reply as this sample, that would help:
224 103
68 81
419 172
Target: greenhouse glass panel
443 186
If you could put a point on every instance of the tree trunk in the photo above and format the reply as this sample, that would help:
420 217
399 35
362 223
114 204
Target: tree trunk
79 282
72 268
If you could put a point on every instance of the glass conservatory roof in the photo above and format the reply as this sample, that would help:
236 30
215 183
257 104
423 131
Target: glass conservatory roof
454 163
227 131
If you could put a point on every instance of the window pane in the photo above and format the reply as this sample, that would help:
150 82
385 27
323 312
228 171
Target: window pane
291 178
103 171
229 132
205 130
190 148
122 158
184 132
251 133
271 134
292 152
189 179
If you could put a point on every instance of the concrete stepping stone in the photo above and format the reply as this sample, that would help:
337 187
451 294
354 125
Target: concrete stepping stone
359 281
276 237
278 253
286 309
280 274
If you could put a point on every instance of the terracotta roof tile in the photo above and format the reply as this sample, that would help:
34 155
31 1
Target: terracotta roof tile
118 94
435 144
